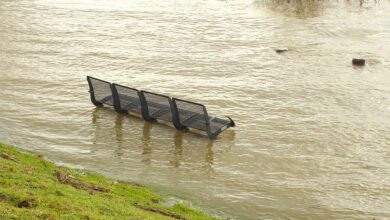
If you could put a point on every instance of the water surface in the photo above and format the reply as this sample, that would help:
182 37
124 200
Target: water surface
313 133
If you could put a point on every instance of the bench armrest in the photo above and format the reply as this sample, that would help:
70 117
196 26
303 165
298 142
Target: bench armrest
232 124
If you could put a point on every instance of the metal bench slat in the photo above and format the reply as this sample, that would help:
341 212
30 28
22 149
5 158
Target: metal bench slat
129 103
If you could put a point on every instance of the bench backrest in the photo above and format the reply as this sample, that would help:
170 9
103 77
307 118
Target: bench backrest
191 114
100 91
127 99
157 106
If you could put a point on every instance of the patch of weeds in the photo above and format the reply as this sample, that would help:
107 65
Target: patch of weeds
28 203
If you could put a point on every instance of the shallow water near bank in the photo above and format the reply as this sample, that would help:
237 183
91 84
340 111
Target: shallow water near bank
312 133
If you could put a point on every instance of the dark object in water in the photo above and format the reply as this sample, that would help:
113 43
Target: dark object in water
281 50
152 107
358 61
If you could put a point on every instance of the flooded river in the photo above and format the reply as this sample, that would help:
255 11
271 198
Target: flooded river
313 133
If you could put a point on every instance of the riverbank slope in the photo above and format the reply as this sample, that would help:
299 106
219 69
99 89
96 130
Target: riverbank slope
33 188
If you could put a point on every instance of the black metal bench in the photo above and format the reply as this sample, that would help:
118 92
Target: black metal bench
152 107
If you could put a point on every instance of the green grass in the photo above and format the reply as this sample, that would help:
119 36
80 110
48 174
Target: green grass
30 189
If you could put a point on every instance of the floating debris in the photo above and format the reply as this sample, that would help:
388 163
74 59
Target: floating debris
358 61
281 50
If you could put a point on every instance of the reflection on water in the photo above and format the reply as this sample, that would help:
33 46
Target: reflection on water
146 150
119 134
308 8
102 135
313 132
298 8
209 157
178 150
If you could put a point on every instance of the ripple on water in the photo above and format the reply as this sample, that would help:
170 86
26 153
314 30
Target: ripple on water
312 132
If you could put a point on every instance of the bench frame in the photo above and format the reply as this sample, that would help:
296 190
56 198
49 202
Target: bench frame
145 112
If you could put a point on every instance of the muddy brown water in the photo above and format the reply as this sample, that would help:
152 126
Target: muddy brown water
313 133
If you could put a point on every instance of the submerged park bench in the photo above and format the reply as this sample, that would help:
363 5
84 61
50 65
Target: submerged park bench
152 107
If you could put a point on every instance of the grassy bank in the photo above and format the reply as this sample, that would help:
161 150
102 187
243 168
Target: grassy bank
33 188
